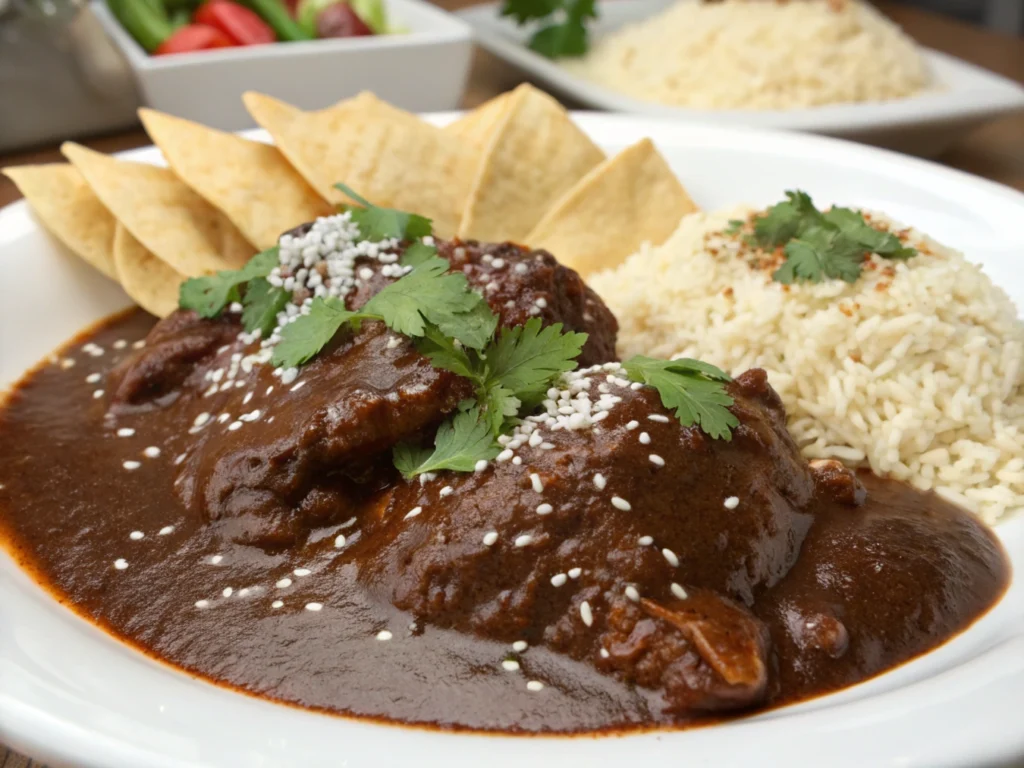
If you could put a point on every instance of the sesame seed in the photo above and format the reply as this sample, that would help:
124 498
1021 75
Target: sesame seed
125 432
645 438
671 557
139 344
504 455
224 417
599 481
179 459
165 530
510 665
538 486
645 541
216 559
243 592
296 388
620 503
201 419
656 460
66 363
522 541
277 604
247 398
490 538
120 344
574 573
314 606
659 417
136 535
545 509
633 594
519 646
481 465
413 512
558 579
586 614
300 572
633 424
547 446
97 394
131 465
151 452
339 541
234 425
284 583
228 591
384 635
731 503
517 460
92 378
202 604
446 491
604 653
120 563
535 685
521 269
678 591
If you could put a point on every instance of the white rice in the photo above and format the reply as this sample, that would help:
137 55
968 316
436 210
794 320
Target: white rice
915 370
752 54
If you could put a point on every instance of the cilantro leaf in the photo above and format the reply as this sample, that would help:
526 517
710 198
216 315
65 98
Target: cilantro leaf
783 221
566 39
694 389
209 295
430 294
819 254
855 227
262 302
304 338
376 223
525 10
735 226
416 254
525 359
500 406
564 31
447 354
459 445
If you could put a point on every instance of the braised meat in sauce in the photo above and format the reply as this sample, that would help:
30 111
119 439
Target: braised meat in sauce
609 568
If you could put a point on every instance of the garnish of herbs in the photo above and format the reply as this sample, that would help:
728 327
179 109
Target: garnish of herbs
452 325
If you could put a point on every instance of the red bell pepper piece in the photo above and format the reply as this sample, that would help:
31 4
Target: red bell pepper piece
340 20
240 24
194 37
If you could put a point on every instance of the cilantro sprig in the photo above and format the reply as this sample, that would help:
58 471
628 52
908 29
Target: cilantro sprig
565 31
209 295
376 223
693 389
819 245
459 445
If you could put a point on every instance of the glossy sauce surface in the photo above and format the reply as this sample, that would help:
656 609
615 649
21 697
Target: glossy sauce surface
844 591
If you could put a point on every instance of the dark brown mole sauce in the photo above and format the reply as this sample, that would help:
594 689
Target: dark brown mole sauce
68 507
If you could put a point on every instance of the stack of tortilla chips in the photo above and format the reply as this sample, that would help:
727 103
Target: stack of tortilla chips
517 168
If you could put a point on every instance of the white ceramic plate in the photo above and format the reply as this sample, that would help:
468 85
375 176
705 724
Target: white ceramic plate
72 695
922 125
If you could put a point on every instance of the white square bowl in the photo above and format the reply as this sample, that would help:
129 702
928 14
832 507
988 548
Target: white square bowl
424 69
965 96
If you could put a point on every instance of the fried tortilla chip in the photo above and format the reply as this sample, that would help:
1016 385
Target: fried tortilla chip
478 126
251 183
149 281
167 217
68 208
629 199
535 154
390 157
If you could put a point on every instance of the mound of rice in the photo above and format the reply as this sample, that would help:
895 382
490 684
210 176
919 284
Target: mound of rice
915 370
752 54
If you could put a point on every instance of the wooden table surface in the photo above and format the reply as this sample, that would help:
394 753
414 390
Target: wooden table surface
995 151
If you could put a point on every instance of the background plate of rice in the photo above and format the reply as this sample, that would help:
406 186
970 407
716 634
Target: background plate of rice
713 72
72 695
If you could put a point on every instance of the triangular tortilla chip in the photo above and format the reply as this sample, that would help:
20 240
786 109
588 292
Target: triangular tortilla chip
535 155
68 208
167 217
150 282
251 183
632 198
390 157
478 126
